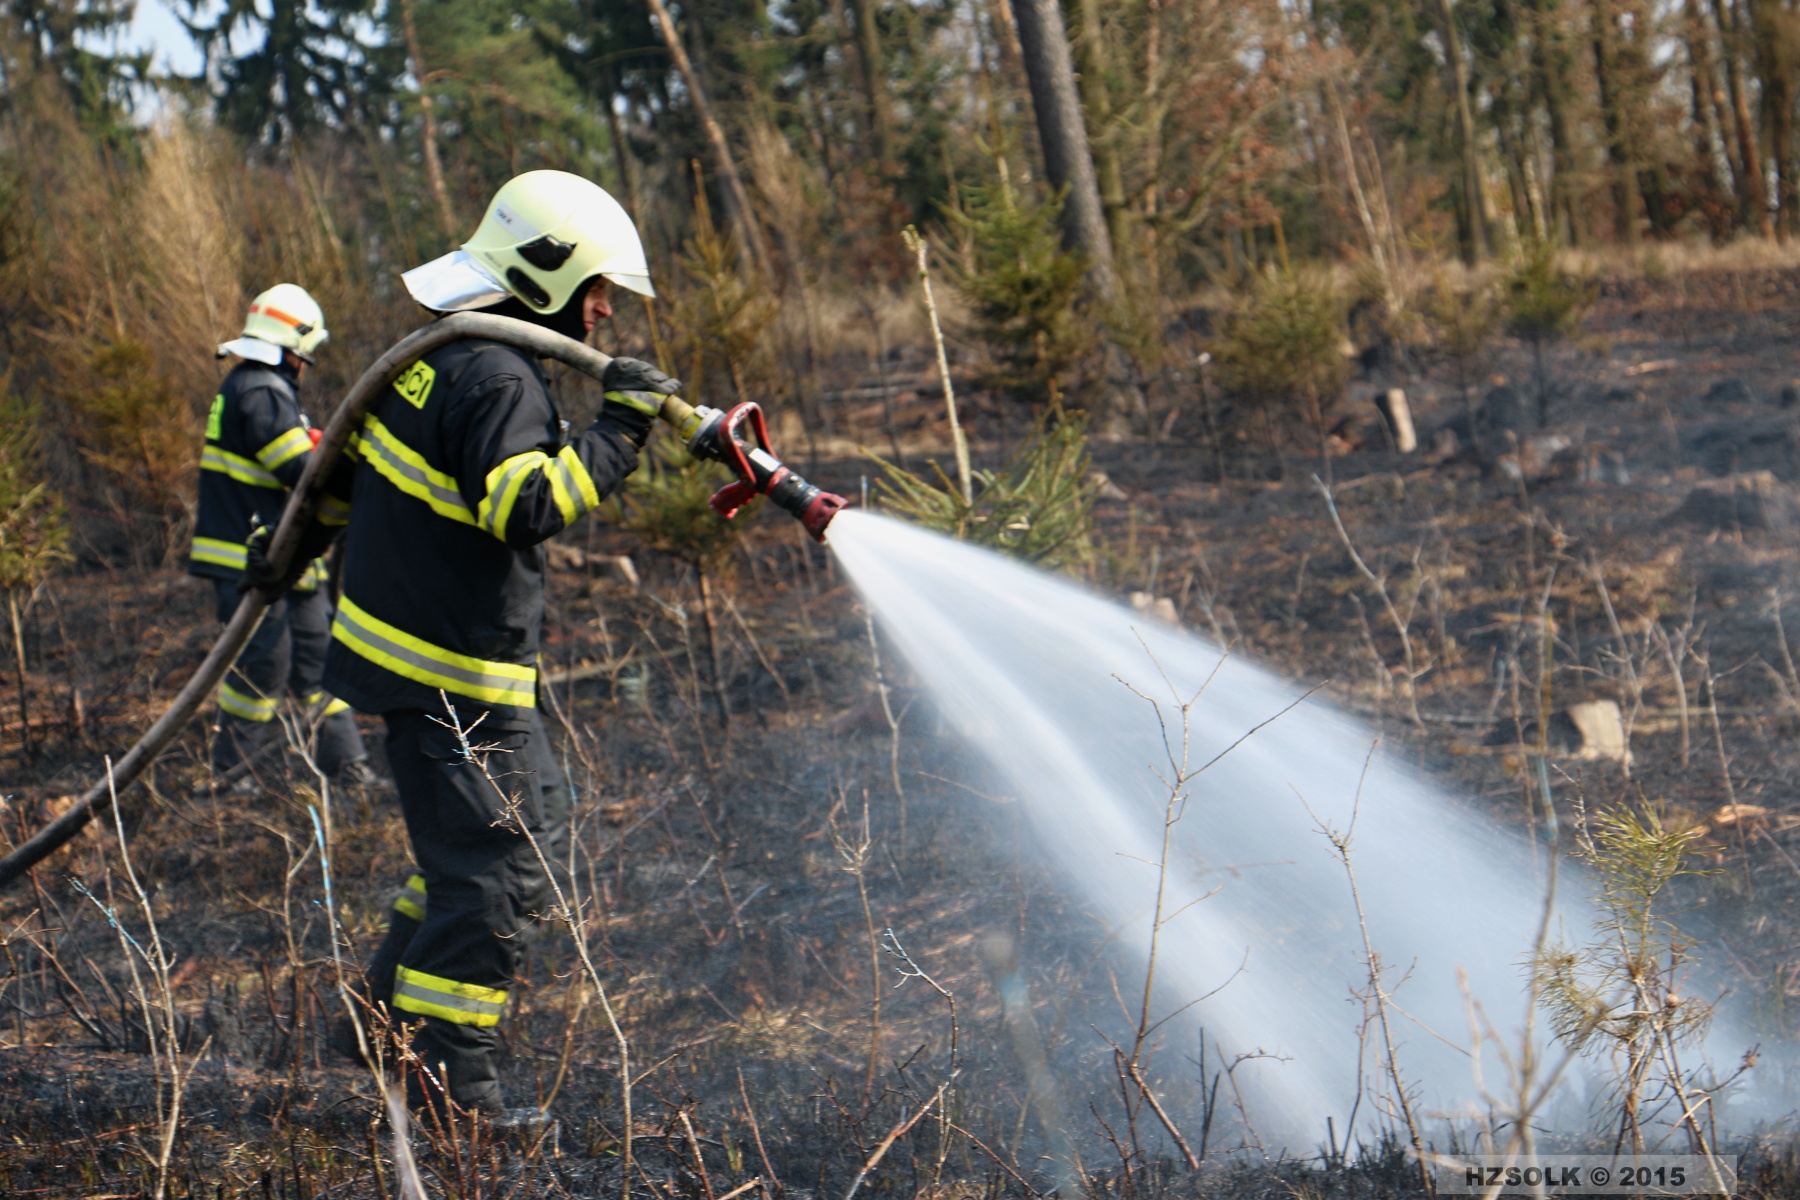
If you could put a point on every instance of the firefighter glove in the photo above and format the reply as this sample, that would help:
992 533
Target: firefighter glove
260 573
634 392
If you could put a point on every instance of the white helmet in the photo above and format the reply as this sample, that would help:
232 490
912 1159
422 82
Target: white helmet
285 317
545 236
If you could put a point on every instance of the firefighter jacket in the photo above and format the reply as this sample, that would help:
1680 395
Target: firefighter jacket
257 443
462 469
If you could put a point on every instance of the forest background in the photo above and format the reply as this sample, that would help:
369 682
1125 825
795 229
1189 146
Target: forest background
1173 148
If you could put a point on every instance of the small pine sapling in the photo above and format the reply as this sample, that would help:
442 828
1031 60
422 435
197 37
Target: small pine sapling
1038 507
1463 322
725 310
1282 346
666 504
1620 994
1543 305
1022 288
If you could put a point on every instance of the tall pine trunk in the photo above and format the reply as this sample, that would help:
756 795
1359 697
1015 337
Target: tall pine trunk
754 244
1603 35
434 168
1479 234
1094 79
1753 201
1702 90
1062 131
1552 68
872 65
1775 30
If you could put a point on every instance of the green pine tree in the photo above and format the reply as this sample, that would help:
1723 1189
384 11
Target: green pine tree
1022 286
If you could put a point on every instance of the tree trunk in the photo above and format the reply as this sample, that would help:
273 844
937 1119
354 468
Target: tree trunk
741 213
1479 241
1701 89
1068 164
1754 199
1091 56
1774 30
1365 214
1553 68
874 79
621 151
434 168
1707 72
1603 35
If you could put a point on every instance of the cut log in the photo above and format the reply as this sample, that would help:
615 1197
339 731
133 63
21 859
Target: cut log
1398 415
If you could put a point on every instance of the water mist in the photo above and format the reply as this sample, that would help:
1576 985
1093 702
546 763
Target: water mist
1031 669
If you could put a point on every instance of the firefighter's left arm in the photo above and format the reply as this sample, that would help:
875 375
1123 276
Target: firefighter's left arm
275 431
523 485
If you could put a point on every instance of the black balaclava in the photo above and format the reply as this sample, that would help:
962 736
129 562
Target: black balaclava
565 320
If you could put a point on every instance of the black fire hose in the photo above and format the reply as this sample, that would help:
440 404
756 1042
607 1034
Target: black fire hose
301 506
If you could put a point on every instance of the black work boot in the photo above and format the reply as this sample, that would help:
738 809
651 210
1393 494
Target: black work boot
459 1064
341 753
240 749
357 773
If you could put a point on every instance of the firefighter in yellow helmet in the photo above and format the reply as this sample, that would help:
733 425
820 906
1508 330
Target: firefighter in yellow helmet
463 469
258 441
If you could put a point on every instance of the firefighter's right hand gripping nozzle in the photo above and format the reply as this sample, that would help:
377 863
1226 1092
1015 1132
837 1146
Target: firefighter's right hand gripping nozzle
739 438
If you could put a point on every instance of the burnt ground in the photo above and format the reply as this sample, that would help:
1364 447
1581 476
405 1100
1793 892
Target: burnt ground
740 878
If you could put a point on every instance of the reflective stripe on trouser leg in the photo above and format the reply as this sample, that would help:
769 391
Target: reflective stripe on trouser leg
338 741
245 706
484 880
447 999
407 913
331 704
253 687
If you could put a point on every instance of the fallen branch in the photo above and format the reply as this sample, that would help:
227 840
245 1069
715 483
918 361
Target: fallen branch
887 1143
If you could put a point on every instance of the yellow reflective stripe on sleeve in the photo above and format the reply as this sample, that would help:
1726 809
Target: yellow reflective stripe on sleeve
285 448
333 511
407 470
417 659
410 900
217 552
576 478
434 996
353 447
242 704
242 469
504 483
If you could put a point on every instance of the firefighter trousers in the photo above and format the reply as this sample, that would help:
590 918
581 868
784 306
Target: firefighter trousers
286 656
483 823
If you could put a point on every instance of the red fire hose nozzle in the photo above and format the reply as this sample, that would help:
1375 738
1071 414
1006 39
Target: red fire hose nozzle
739 438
